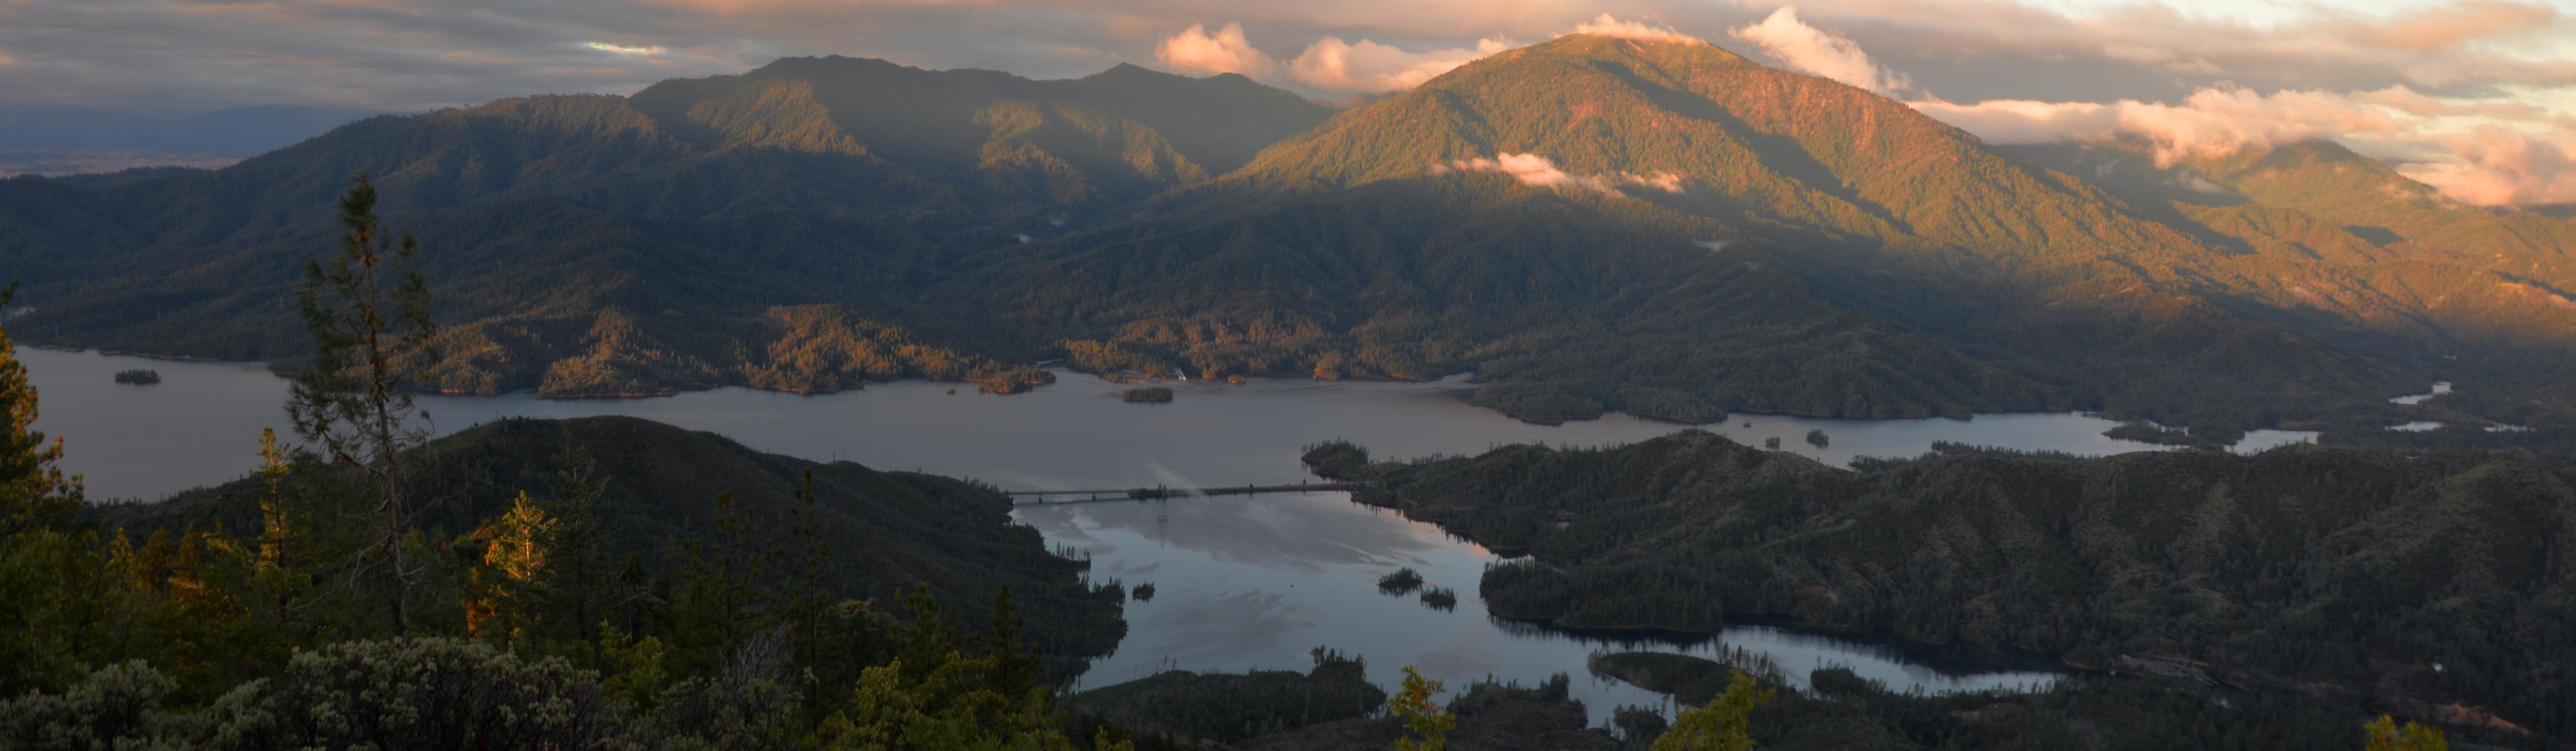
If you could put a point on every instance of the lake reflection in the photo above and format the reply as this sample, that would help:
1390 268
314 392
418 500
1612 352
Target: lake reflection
1242 582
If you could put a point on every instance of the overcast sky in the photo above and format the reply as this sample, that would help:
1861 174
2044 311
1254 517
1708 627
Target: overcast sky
2479 94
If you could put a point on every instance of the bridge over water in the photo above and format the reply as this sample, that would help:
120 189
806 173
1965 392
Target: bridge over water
1039 497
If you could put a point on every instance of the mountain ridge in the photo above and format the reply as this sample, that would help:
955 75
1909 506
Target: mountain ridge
976 219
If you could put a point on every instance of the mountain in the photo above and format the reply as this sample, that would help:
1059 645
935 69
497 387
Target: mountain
2417 583
1588 224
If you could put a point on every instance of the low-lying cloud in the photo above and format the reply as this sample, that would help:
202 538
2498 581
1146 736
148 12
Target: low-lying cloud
1539 171
1338 65
1809 50
1608 25
1329 64
2499 166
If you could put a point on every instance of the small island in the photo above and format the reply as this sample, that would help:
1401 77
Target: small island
138 377
1402 581
1154 395
1817 438
1440 597
1144 592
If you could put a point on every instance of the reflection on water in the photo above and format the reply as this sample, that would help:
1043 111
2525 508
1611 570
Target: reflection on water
1242 581
201 424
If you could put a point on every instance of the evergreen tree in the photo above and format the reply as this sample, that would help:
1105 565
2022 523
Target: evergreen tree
368 311
1721 724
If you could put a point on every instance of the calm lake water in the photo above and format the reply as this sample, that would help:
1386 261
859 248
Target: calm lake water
1242 582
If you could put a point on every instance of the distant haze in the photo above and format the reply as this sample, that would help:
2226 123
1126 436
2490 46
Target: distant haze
66 140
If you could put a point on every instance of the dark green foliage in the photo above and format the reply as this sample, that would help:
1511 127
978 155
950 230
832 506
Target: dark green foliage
138 377
1490 717
1401 581
2302 565
1227 708
885 531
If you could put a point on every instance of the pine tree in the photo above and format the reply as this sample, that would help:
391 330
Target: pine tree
34 494
1719 725
368 311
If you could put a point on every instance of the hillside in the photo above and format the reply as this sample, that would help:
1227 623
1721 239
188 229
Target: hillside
1587 224
600 245
886 531
2416 584
2485 292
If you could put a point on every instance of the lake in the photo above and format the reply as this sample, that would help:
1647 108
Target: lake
1243 581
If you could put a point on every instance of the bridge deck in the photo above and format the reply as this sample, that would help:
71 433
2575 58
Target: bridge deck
1145 494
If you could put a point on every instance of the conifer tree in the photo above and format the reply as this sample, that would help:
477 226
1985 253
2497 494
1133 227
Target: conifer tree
367 308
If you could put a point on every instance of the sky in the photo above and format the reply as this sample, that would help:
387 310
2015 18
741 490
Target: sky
2476 97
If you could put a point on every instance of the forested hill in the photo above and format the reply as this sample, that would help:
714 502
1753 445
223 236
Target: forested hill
1590 223
658 490
2437 587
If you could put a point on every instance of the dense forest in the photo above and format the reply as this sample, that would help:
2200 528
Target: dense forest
1836 710
2438 587
1725 237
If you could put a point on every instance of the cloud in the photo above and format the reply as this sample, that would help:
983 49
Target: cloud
2211 122
1335 65
1330 64
1607 25
1538 171
1807 49
622 50
1193 50
2449 26
2499 166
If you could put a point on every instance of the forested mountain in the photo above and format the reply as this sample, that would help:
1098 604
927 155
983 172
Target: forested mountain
2439 587
660 489
1591 223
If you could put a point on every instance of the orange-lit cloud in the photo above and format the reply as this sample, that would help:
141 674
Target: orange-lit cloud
1809 50
1193 50
1607 25
1539 171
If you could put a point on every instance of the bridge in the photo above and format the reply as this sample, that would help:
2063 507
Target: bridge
1039 497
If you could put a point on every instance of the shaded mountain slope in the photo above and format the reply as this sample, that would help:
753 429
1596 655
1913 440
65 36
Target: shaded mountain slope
2306 567
886 531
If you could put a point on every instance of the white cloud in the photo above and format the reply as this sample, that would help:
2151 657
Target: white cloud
1539 171
622 50
2498 166
1330 64
1607 25
1193 50
1335 65
1813 51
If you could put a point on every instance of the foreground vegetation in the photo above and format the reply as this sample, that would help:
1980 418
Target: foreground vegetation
2435 588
